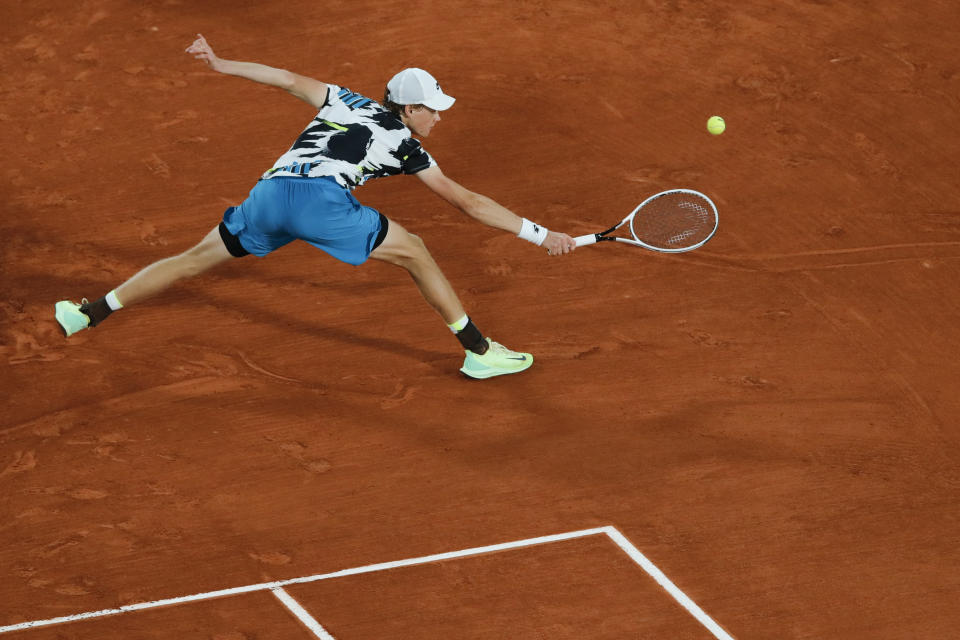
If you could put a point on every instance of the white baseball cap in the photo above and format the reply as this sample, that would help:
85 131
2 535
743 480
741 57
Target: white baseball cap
416 86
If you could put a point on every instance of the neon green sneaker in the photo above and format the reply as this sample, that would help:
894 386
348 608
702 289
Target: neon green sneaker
71 316
497 361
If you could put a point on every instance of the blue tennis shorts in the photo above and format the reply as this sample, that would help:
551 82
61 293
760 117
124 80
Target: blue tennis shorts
316 210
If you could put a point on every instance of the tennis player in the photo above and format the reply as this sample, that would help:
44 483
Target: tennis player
306 195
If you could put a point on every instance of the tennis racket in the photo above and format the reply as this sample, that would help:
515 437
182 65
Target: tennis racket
672 221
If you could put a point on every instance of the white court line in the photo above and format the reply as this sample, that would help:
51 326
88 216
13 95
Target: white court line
307 619
617 537
665 582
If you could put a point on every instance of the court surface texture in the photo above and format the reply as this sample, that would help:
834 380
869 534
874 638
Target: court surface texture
757 439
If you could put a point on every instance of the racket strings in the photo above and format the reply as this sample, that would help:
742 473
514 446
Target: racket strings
674 221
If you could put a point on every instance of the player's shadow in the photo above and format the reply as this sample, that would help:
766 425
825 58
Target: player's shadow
327 331
195 294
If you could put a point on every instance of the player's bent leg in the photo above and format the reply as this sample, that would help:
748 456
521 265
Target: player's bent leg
406 250
209 252
402 248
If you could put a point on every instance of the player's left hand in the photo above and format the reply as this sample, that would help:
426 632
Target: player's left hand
201 50
558 243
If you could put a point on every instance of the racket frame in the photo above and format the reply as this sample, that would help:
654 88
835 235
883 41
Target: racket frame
591 238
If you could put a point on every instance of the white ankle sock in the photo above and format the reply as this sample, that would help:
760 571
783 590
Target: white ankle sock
458 326
112 301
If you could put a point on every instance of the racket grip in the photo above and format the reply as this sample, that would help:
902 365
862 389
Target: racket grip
590 238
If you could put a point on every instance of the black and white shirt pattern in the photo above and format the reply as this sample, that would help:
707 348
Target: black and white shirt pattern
352 139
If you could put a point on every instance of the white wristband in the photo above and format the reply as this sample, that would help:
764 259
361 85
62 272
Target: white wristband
532 232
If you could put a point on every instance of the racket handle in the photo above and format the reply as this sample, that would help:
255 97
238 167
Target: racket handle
590 238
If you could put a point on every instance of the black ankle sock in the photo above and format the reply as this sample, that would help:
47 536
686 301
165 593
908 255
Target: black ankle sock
472 340
97 311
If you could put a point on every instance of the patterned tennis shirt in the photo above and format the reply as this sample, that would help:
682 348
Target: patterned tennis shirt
352 139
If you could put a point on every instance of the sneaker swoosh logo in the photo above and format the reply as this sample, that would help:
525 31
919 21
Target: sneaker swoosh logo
521 358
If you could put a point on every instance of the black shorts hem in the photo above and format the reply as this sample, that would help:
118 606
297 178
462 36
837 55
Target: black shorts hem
384 225
232 242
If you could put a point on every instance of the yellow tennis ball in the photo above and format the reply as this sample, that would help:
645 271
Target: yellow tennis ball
716 125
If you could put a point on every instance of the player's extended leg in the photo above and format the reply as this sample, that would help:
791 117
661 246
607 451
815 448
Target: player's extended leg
149 281
153 279
484 358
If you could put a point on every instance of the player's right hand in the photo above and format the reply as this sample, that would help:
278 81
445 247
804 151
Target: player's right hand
558 243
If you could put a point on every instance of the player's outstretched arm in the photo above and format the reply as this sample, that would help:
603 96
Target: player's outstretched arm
489 212
307 89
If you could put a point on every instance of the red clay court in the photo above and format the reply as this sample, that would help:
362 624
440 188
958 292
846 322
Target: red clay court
758 439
